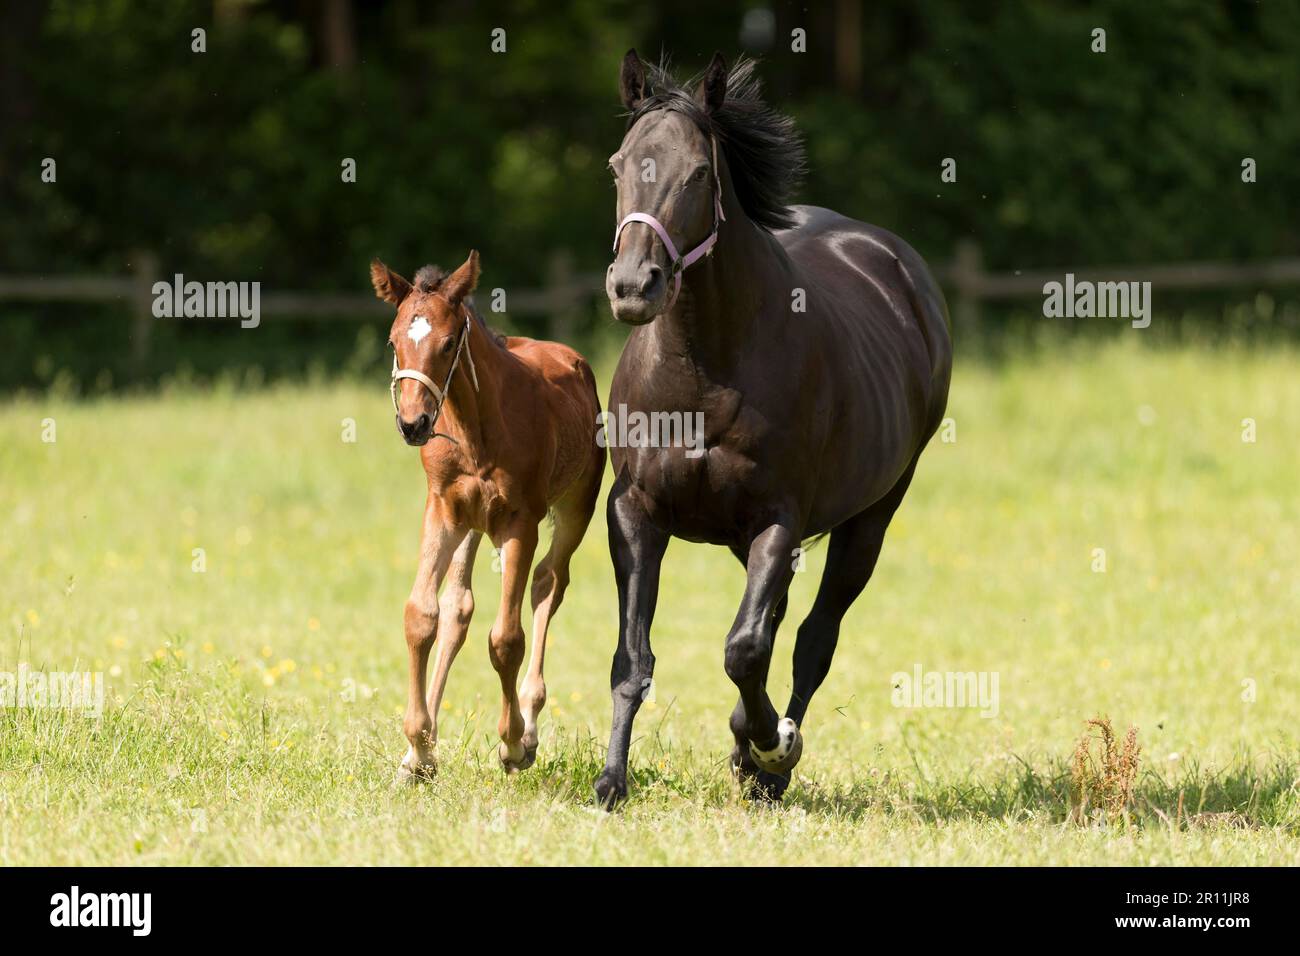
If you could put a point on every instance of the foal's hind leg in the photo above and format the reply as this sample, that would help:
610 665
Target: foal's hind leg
850 560
550 581
506 642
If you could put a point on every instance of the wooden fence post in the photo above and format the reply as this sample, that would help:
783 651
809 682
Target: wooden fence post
144 266
967 273
562 295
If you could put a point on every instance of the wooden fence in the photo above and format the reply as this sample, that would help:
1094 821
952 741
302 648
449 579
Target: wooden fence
567 292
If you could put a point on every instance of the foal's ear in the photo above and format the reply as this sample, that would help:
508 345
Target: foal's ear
631 80
463 281
713 88
389 286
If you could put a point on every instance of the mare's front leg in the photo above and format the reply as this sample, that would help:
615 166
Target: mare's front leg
774 745
637 547
506 642
438 542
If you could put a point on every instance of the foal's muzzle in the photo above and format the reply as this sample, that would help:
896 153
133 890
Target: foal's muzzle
415 432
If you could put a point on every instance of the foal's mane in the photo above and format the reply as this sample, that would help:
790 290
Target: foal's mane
763 148
430 279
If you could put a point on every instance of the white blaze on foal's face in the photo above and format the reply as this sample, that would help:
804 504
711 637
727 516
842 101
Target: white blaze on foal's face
419 329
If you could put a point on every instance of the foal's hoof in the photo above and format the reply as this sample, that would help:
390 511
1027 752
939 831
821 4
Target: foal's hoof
780 760
412 776
514 759
610 791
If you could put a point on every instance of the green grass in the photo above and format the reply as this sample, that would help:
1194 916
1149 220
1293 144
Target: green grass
253 710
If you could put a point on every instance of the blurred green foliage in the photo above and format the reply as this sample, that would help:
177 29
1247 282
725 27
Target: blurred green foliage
227 163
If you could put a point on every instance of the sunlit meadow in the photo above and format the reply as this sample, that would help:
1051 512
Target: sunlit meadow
253 707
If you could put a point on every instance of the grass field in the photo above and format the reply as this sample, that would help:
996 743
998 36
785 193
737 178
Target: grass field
253 710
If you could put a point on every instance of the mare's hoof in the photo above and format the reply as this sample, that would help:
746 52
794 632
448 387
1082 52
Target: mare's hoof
610 791
757 785
781 759
514 759
766 788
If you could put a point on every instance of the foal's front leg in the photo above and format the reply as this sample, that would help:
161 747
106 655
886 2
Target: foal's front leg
455 609
438 542
506 642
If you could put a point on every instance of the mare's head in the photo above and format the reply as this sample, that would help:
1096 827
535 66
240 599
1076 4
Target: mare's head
664 168
426 335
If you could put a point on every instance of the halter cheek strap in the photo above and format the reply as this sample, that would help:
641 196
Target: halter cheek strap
682 262
439 394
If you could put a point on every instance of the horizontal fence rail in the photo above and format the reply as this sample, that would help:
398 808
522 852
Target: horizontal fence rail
566 291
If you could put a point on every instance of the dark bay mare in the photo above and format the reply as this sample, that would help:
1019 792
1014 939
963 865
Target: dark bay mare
817 349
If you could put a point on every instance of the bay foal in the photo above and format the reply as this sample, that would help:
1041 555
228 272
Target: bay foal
507 432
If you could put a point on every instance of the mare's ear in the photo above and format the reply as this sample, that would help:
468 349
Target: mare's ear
389 286
463 281
631 80
713 88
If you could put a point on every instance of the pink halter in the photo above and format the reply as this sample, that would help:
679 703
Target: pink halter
680 262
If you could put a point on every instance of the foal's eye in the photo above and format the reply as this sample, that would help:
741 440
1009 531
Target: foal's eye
447 345
699 174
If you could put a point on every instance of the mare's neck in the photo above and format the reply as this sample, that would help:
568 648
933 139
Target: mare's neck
722 295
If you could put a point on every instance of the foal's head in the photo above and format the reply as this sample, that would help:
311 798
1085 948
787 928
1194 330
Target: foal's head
431 319
665 168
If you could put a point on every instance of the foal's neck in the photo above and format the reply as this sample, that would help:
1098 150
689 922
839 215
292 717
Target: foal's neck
470 415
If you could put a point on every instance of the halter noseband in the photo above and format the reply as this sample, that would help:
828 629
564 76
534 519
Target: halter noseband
439 395
681 262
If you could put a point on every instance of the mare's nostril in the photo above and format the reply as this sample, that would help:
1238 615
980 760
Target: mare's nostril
623 286
651 281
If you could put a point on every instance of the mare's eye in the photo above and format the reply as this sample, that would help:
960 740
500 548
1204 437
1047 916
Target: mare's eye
448 344
699 173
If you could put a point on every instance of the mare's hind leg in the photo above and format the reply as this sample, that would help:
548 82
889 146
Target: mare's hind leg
550 580
850 560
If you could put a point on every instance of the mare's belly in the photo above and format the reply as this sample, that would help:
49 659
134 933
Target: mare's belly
711 495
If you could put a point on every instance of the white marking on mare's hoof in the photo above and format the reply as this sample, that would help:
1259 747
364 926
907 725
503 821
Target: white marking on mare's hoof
789 748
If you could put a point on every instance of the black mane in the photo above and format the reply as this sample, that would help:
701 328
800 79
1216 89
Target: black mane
763 148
